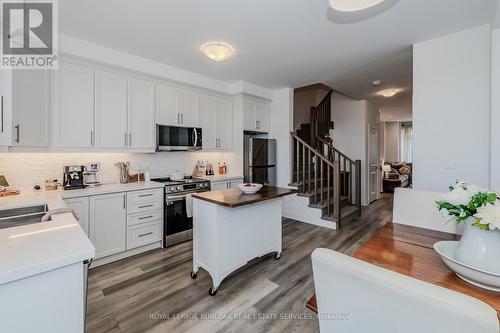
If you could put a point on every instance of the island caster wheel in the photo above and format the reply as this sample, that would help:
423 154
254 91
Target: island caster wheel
212 291
194 275
277 256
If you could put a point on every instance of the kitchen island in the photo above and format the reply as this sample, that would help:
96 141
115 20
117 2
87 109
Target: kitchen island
231 228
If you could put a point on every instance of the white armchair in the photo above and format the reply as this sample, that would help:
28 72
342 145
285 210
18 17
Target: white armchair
377 300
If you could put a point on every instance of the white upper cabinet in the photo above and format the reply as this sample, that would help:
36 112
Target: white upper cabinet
110 111
30 89
256 116
190 109
224 128
73 107
167 106
217 123
262 117
141 123
209 122
177 107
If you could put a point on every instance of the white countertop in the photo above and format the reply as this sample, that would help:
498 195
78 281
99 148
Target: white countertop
41 247
218 178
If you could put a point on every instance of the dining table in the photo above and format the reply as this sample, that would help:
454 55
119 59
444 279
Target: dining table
409 250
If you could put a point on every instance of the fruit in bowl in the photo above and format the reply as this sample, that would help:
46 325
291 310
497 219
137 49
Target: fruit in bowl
250 188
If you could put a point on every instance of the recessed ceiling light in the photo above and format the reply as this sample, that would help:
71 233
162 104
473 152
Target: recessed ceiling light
353 5
218 51
376 83
389 92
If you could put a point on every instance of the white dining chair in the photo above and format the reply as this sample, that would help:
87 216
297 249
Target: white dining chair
418 208
354 296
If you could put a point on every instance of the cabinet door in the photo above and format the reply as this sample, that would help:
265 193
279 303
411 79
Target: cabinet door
214 186
6 108
235 182
209 122
141 114
262 116
108 223
29 108
81 208
249 113
224 126
190 109
167 106
110 111
73 112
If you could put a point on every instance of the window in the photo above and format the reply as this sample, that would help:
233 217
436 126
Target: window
407 142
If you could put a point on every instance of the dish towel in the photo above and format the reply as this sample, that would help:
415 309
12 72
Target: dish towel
189 205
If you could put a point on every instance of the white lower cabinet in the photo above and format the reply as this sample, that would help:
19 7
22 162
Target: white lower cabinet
81 208
118 222
225 184
108 223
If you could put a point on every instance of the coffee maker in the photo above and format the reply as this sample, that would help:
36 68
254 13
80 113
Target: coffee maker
91 177
73 177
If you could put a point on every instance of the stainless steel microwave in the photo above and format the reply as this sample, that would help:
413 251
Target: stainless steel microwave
172 138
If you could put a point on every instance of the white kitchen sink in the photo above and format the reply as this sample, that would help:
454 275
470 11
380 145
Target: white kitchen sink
15 217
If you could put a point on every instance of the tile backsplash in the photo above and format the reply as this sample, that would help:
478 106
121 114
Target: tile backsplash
24 170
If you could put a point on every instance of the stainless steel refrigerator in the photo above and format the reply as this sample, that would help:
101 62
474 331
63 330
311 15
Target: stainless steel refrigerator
259 160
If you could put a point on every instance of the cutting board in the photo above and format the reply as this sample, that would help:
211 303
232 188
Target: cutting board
10 192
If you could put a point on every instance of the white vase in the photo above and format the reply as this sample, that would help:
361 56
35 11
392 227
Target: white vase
479 248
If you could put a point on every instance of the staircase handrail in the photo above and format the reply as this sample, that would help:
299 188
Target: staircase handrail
316 152
330 146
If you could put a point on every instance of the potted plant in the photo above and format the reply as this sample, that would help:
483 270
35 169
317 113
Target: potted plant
479 210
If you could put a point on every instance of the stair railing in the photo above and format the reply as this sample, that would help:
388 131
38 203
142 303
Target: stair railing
321 119
350 172
316 175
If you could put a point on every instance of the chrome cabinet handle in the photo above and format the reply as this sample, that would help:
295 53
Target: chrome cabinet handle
257 124
178 118
145 217
124 201
146 195
126 139
130 139
18 135
146 206
182 118
91 138
146 234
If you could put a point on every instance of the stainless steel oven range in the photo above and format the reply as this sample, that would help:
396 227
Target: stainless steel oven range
177 221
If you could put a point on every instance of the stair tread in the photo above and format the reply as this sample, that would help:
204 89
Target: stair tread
344 213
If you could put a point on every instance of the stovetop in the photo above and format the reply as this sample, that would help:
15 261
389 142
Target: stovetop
188 184
167 181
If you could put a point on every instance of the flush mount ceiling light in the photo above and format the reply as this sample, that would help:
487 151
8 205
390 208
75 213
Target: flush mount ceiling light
376 83
389 93
350 6
218 51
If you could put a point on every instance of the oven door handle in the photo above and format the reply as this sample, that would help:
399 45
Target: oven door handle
177 197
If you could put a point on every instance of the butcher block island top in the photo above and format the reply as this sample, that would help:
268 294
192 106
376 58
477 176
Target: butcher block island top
234 198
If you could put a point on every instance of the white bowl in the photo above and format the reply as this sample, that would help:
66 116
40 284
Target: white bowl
475 276
177 175
254 188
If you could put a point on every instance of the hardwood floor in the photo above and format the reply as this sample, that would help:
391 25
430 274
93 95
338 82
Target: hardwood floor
153 292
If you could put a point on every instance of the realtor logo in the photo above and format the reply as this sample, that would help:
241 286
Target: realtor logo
29 34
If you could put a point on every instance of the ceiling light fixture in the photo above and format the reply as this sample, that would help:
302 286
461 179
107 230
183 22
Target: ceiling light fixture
218 51
353 5
389 93
376 83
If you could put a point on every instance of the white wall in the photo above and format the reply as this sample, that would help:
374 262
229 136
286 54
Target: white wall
451 109
24 170
495 111
349 136
281 126
392 138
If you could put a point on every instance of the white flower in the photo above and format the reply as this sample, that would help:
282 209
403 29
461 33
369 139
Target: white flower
490 215
462 194
458 196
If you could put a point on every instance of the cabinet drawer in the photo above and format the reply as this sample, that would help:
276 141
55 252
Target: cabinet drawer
143 234
146 195
144 217
145 206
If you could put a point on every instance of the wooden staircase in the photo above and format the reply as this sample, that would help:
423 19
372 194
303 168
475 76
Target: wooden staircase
330 179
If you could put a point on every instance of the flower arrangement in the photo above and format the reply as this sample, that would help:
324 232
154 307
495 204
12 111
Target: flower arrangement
470 201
